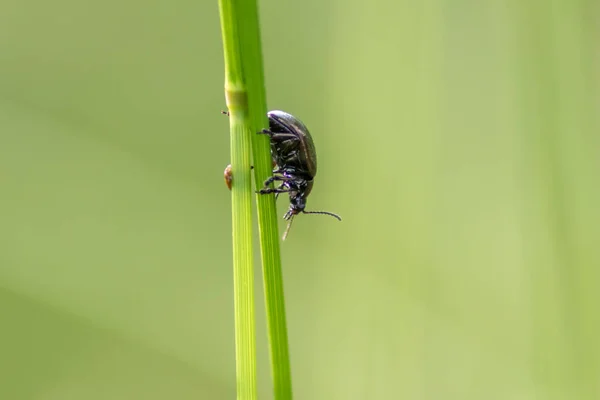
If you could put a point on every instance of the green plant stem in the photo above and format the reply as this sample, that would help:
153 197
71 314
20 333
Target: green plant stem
241 202
246 100
267 213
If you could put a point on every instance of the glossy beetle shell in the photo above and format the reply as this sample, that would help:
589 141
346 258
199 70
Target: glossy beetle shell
292 145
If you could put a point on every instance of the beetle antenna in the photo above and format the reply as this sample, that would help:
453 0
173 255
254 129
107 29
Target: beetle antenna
325 213
287 230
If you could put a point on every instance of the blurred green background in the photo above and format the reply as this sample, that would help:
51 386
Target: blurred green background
459 140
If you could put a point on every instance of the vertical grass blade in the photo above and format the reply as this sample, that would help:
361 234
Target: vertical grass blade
241 202
246 100
267 212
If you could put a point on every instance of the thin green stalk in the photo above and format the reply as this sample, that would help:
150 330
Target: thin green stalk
267 212
246 100
241 202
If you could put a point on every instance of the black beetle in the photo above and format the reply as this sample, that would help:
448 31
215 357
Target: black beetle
294 154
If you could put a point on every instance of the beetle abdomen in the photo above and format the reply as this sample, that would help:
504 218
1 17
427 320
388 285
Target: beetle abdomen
292 145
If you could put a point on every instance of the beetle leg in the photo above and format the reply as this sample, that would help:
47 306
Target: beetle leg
291 156
279 188
272 190
278 136
277 178
284 182
282 137
266 132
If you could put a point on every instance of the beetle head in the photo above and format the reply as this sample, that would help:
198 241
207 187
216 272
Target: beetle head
297 204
